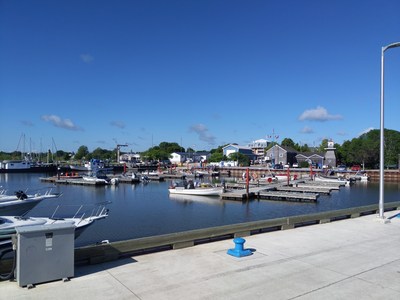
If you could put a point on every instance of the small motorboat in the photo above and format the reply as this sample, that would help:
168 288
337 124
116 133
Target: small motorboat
199 189
339 180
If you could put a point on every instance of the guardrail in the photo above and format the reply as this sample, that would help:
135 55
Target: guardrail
115 250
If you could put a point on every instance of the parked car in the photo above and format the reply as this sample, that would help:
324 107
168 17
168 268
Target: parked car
295 165
356 168
341 168
278 167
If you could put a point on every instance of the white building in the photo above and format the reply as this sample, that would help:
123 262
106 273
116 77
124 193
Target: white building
258 147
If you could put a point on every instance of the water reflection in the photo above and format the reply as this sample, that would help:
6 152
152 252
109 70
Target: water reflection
138 210
193 198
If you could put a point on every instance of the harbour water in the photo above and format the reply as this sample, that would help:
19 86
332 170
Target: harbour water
141 210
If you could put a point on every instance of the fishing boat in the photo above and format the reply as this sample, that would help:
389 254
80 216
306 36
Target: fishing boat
99 177
21 202
339 180
199 189
9 225
92 165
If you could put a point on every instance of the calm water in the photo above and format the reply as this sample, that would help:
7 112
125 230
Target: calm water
140 210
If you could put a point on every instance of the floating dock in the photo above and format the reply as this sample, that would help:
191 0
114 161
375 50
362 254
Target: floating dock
311 189
289 196
298 191
76 181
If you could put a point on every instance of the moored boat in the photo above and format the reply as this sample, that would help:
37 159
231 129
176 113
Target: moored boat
9 225
339 180
202 189
20 203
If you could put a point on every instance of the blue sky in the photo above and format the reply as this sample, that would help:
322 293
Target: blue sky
199 73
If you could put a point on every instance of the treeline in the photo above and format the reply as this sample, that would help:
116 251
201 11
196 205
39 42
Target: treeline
361 150
364 149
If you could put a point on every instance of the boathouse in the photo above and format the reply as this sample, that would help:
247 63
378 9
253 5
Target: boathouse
316 159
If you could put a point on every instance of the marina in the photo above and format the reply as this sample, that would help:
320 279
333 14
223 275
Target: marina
147 209
298 190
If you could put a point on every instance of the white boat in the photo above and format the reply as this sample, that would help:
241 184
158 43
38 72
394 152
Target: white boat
99 176
361 175
20 203
199 191
203 189
339 180
92 165
9 225
282 177
152 173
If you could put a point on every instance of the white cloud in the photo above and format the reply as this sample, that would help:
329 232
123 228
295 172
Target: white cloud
202 132
307 129
318 114
59 122
86 58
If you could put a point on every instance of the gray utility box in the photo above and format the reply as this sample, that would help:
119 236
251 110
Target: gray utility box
44 253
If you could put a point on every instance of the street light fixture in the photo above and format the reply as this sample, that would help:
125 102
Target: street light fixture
382 156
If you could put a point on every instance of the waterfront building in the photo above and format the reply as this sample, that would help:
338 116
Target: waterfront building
258 148
281 155
316 159
179 158
234 148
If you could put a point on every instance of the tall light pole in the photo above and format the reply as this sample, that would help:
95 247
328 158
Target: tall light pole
382 151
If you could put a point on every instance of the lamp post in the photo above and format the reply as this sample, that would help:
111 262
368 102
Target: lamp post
382 128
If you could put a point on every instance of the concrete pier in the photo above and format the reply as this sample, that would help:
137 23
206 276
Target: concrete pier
356 258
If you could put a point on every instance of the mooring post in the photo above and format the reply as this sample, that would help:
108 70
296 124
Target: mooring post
239 250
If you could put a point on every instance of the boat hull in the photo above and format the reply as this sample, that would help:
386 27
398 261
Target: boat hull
332 180
197 191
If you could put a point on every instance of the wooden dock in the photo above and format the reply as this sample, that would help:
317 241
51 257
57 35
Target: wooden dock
313 184
77 181
311 189
288 196
299 191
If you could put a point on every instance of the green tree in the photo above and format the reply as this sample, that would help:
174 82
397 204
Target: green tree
82 152
287 142
162 152
304 148
242 159
217 157
217 154
323 145
104 154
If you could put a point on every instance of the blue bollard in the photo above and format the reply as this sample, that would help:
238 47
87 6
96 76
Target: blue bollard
239 251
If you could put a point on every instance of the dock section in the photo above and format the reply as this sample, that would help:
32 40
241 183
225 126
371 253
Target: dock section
298 190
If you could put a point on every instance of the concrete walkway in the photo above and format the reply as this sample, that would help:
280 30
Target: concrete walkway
349 259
